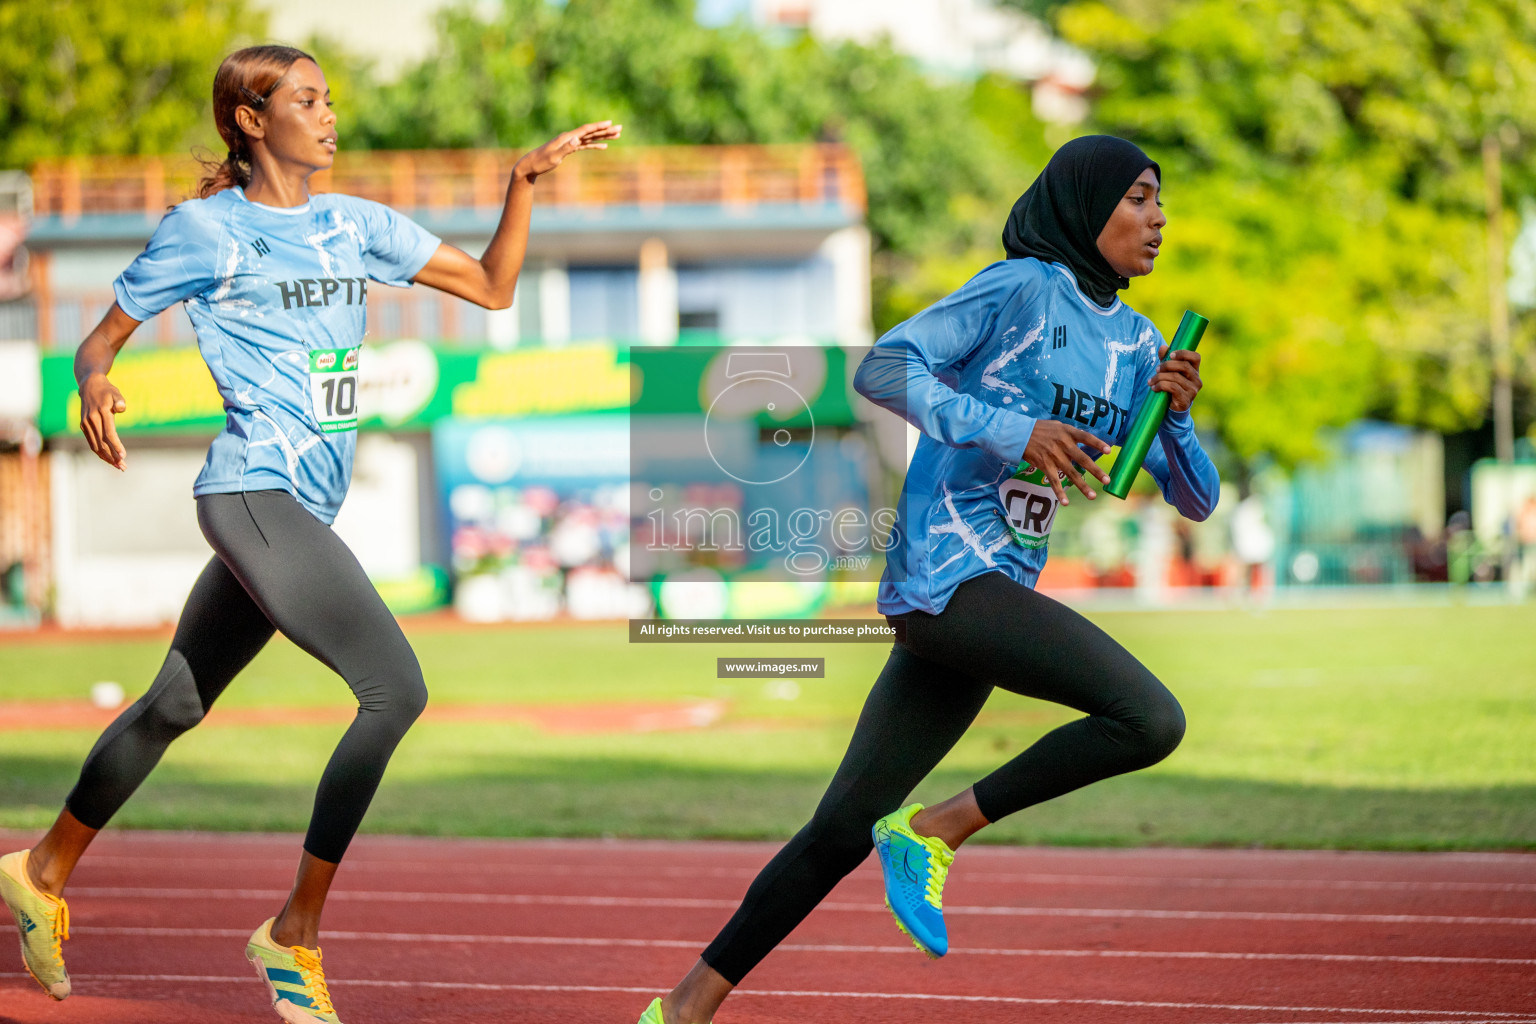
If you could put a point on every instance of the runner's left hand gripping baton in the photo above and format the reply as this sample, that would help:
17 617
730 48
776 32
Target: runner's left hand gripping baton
1150 418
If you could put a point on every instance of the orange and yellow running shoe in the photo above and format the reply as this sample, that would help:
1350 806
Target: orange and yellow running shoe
293 978
43 921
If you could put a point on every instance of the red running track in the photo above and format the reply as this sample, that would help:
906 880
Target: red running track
582 932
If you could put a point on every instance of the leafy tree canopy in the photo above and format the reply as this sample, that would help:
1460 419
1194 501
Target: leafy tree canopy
936 164
1325 194
112 76
1324 181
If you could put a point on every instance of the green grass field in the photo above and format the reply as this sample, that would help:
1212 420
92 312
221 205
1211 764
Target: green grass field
1402 728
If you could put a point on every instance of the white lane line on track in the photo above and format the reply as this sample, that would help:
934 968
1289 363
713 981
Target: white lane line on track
1460 1016
230 865
1320 884
791 947
368 845
226 865
647 902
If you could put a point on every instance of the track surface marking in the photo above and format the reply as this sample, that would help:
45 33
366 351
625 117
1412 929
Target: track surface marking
566 931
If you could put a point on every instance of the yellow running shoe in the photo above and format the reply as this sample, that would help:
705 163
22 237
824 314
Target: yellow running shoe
652 1014
43 921
293 978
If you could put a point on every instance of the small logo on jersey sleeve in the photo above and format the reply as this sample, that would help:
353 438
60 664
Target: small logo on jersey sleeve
1059 336
261 247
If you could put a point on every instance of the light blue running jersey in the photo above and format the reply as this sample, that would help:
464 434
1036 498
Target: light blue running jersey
278 298
1017 343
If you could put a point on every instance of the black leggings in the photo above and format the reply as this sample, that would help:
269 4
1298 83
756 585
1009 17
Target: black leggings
276 567
993 632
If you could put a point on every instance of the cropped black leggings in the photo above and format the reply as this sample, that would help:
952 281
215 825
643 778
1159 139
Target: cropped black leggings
993 632
275 567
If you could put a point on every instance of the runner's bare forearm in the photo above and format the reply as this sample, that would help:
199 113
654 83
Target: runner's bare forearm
503 257
99 349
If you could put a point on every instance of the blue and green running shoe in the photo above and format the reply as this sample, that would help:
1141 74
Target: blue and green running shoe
915 868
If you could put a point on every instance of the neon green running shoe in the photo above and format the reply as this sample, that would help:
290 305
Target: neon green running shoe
293 978
915 868
43 921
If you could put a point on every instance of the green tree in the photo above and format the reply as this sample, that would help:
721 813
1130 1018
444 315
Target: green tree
533 68
112 76
1325 194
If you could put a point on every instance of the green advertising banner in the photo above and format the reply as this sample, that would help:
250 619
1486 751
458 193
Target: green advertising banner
691 379
166 390
407 385
402 385
545 381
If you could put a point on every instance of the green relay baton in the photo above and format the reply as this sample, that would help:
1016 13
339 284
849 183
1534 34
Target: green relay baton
1144 429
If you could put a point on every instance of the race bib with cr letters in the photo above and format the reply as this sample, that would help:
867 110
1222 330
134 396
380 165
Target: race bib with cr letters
1029 506
333 388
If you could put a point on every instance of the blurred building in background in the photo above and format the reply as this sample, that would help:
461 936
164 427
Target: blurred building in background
637 244
951 38
492 469
24 505
393 33
494 442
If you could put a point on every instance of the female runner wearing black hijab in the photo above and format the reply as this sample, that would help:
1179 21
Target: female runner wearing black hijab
1060 218
1010 379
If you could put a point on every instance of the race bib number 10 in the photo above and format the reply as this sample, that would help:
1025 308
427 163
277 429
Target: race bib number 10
1029 506
333 388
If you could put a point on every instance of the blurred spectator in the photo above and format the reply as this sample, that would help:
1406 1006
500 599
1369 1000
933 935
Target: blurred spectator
13 258
1108 535
1253 542
1459 547
1525 535
1429 556
1155 550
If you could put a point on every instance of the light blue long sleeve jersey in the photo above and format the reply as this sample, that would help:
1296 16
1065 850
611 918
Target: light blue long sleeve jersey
278 298
1017 343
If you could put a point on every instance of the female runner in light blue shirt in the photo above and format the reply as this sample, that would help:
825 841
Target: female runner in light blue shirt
275 281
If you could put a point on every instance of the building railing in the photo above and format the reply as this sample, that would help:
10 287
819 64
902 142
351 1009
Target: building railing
645 176
392 313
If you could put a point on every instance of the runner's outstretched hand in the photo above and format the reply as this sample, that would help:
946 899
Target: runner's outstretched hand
548 156
1053 449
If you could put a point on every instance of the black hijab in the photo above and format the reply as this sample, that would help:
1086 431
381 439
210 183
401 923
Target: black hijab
1059 219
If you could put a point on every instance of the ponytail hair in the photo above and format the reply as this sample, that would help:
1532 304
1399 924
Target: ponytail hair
246 78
